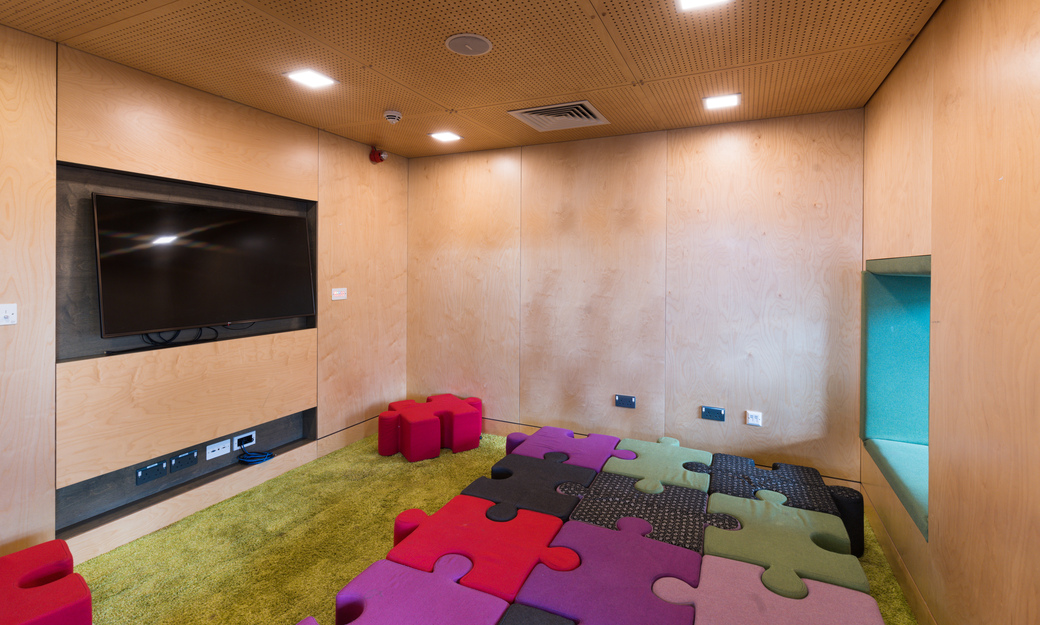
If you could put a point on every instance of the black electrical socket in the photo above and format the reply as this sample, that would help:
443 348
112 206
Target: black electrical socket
713 414
625 401
151 472
185 460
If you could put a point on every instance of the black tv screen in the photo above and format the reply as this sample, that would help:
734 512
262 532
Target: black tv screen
172 266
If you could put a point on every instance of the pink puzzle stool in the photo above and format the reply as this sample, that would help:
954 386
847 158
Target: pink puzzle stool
419 430
38 587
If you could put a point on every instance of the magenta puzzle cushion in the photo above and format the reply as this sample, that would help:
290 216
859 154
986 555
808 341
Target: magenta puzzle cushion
38 587
387 592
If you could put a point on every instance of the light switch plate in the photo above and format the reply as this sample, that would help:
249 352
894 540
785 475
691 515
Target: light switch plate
8 314
339 294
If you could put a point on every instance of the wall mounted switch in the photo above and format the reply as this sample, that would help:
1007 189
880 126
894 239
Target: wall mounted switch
754 418
8 314
338 294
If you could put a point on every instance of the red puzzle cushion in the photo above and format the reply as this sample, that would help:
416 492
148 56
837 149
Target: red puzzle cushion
503 553
38 587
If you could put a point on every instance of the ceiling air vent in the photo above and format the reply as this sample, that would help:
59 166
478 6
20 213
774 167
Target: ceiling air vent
560 116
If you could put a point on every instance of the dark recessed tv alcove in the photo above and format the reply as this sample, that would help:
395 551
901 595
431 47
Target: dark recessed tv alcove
78 330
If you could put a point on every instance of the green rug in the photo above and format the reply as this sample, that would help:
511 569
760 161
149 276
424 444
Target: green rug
280 552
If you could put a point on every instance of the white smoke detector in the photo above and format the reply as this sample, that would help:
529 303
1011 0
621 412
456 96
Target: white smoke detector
392 116
468 44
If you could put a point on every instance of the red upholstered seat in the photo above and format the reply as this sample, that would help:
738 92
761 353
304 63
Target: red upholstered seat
419 430
38 587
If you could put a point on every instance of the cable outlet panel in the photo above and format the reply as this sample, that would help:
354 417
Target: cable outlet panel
218 449
151 472
243 440
713 414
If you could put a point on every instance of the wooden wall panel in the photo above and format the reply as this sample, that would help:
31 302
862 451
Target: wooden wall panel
362 246
986 314
118 118
116 411
977 566
464 279
27 217
593 284
764 231
897 185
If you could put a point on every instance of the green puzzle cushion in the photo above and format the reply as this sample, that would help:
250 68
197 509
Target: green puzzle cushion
660 463
789 543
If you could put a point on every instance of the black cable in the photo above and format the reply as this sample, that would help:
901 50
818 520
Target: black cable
228 326
254 457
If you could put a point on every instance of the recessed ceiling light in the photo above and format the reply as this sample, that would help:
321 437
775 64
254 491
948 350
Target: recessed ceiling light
445 136
310 78
686 5
165 240
722 101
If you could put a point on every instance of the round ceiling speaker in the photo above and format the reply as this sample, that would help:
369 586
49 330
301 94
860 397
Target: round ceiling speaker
468 44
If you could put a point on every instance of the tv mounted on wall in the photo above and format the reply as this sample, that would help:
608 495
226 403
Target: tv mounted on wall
166 266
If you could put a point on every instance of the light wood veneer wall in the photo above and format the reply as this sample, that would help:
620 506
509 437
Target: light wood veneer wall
978 565
647 268
27 221
362 246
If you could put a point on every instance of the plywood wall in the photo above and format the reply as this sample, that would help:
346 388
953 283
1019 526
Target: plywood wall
764 227
27 217
647 268
593 284
464 279
120 410
123 119
978 566
897 192
362 247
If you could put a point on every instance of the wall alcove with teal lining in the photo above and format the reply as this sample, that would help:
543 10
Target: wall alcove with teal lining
896 331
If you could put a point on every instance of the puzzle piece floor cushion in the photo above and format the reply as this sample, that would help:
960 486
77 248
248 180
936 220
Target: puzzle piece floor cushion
731 593
678 515
419 430
738 476
614 583
790 543
590 452
38 587
503 553
849 502
660 463
387 592
523 482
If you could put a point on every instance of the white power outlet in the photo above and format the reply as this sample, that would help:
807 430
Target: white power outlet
218 449
8 314
754 418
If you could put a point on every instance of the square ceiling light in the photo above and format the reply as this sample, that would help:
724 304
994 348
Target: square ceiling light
722 101
445 136
310 78
686 5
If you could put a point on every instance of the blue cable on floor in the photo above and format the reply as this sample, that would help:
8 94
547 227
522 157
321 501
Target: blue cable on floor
254 457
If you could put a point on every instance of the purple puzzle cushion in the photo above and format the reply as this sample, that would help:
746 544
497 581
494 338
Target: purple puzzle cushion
613 585
592 451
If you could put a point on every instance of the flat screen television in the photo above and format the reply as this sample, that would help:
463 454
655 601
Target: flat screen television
173 266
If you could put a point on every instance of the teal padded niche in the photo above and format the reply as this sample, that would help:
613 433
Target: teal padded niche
894 423
896 328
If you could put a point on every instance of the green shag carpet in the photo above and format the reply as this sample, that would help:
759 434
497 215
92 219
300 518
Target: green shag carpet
280 552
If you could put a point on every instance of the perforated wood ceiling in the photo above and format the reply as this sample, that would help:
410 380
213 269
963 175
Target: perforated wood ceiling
642 63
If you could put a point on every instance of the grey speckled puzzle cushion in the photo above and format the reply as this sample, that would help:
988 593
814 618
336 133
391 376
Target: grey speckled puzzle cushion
678 515
739 477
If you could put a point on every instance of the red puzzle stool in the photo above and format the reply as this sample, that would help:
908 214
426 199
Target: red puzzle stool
38 587
419 430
